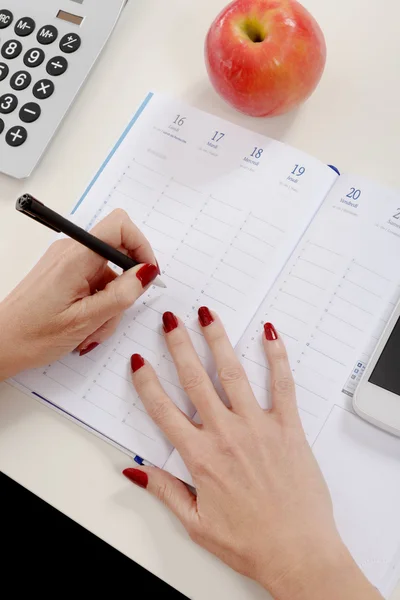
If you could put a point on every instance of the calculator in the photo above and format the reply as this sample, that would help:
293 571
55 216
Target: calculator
47 49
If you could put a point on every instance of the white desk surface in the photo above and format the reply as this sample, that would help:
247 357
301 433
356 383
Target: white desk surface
352 121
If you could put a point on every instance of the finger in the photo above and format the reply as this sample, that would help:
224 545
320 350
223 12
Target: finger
230 372
99 336
173 493
192 375
118 295
283 392
160 407
118 230
103 277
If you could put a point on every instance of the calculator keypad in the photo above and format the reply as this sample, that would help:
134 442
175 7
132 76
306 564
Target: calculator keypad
33 57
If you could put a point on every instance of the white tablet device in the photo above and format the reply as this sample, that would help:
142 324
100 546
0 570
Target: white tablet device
377 398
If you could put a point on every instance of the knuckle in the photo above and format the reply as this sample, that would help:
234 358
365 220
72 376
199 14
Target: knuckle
284 385
164 493
192 379
280 356
231 374
159 412
119 213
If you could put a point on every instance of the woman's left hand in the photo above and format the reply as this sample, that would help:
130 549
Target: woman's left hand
72 299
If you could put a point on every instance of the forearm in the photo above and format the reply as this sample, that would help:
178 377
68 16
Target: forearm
328 576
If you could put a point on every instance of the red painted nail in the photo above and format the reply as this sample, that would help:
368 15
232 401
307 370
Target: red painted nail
147 274
170 322
270 332
88 349
137 477
158 267
137 362
205 317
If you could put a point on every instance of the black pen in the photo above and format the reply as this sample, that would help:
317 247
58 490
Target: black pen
28 205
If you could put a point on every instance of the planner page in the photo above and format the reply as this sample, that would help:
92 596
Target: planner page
330 304
223 208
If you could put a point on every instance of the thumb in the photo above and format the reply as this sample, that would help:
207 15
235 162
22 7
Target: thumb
171 491
121 293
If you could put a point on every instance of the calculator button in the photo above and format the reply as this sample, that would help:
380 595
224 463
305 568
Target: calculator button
24 26
8 103
16 136
47 35
20 80
71 42
43 89
57 66
4 70
6 18
30 112
11 49
34 57
1 125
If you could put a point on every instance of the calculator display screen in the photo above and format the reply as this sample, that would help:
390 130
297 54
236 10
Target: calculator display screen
387 370
65 16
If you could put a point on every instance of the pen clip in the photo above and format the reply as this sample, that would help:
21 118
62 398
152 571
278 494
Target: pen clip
26 205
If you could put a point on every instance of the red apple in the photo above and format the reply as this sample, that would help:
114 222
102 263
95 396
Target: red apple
264 57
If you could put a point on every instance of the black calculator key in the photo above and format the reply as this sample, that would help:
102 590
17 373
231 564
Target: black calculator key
1 126
4 70
24 26
20 80
43 89
30 112
11 49
34 57
8 103
57 66
16 136
47 35
6 18
71 42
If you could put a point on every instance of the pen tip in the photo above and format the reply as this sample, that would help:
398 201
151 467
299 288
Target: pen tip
159 283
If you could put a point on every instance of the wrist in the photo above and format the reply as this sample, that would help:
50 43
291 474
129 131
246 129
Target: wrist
11 361
330 573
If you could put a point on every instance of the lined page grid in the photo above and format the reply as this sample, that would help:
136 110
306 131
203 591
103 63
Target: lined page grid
222 229
330 304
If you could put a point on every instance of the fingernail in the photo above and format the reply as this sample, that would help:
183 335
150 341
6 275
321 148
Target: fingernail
88 349
205 317
158 267
137 362
137 477
147 274
170 322
270 332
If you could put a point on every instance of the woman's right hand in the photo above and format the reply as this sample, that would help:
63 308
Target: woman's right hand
262 505
72 299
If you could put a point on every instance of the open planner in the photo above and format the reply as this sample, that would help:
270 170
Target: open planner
258 231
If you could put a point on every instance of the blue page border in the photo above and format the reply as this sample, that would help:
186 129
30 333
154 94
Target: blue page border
113 151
